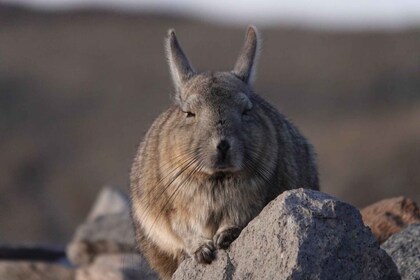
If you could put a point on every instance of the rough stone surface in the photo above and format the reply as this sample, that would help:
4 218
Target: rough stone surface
106 235
25 270
404 248
390 216
116 267
107 230
103 248
302 234
110 201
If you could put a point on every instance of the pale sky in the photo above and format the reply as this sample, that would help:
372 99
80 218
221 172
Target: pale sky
348 14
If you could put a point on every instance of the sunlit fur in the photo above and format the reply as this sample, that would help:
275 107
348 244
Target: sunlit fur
181 198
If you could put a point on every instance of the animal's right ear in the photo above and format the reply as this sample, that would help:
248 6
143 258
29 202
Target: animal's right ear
180 67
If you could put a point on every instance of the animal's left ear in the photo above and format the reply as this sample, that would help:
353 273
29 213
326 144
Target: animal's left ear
179 65
247 61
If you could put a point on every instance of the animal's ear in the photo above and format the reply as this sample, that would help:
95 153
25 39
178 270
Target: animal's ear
180 67
247 61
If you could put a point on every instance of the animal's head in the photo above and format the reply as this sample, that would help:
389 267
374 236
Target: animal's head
218 118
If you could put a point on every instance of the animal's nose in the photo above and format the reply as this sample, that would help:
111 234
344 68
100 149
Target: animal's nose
223 146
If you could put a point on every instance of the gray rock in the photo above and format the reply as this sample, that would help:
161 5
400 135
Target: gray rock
110 201
25 270
106 235
116 267
107 230
404 248
302 234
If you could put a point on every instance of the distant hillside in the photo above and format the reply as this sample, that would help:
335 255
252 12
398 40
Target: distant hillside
79 89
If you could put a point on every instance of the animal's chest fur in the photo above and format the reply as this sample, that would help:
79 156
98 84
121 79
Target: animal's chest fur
204 207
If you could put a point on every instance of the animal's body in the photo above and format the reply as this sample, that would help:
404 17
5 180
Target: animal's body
211 162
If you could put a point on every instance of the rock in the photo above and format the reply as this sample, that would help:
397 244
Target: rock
25 270
302 234
106 235
390 216
103 248
33 263
108 230
404 248
110 201
116 267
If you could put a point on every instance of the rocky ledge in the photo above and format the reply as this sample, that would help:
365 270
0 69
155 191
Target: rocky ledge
302 234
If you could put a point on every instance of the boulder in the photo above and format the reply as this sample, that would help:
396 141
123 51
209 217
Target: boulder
107 230
116 267
110 201
103 248
106 235
21 262
404 248
302 234
390 216
27 270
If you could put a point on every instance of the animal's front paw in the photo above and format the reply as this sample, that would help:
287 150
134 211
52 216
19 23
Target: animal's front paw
224 238
206 253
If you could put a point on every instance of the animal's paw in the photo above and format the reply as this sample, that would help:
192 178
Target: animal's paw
224 238
206 253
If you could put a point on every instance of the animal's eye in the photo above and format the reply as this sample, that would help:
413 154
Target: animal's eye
189 114
246 112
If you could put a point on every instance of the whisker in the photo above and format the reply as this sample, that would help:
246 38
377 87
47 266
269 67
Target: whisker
187 162
262 172
173 195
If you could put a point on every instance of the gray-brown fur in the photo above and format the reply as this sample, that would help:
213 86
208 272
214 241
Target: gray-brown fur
212 161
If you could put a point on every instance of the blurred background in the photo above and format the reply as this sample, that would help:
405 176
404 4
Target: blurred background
81 82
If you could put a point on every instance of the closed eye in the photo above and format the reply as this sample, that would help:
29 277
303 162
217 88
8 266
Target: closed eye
246 112
189 114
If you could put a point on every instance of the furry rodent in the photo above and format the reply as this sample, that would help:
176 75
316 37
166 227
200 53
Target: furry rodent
212 161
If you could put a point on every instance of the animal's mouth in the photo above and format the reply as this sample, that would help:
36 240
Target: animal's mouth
220 172
220 175
227 166
223 168
223 164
